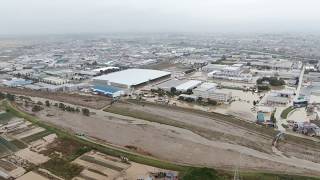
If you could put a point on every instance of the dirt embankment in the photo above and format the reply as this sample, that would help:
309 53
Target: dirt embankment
91 101
177 144
220 128
211 127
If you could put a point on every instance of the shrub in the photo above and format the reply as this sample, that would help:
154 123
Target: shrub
36 108
47 103
10 97
273 81
85 111
62 106
263 88
200 174
284 113
212 102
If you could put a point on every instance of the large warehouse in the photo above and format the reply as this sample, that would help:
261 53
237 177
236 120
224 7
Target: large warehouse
128 79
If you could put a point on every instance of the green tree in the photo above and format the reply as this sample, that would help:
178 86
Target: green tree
85 111
189 91
254 103
47 103
2 95
36 108
10 97
200 174
173 90
212 102
62 106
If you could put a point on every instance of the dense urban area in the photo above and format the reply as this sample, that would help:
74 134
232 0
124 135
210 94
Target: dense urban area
160 106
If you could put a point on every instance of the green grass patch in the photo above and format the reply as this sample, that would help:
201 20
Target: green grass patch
201 173
62 168
36 136
285 112
4 150
8 145
69 148
19 144
5 117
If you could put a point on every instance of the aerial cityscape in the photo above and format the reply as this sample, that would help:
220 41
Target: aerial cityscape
120 105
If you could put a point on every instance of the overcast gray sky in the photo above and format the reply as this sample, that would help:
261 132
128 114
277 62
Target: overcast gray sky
104 16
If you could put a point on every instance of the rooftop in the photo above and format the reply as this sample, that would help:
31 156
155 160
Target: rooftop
188 85
132 77
207 86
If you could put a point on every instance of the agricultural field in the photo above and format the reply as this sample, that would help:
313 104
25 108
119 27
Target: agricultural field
100 166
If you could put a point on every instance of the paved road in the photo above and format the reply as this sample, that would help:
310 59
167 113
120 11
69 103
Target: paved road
300 82
281 121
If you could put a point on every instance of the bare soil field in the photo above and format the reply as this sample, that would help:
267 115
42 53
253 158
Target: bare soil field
214 142
32 157
32 176
92 101
211 127
99 166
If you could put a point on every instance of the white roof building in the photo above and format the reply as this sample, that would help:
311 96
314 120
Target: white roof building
209 91
213 67
188 85
130 77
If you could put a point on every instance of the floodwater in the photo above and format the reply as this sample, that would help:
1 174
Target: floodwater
298 115
241 106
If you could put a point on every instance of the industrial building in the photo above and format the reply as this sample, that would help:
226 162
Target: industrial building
172 83
108 90
16 82
189 85
131 78
276 64
276 100
210 91
122 82
179 85
234 72
213 67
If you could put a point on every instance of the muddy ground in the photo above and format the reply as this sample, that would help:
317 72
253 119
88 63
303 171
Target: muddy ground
215 143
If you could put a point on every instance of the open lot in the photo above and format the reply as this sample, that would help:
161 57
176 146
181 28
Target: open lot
32 176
